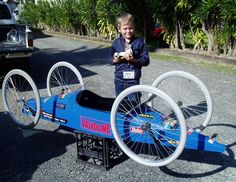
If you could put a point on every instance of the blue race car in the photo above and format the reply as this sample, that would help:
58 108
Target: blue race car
149 126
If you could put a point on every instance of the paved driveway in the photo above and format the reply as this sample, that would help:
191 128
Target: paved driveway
44 155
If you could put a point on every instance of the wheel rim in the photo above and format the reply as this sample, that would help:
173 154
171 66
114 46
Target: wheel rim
64 77
190 94
139 130
18 90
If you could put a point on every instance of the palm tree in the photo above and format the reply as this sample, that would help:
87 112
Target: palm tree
208 14
88 16
228 13
107 12
143 11
175 16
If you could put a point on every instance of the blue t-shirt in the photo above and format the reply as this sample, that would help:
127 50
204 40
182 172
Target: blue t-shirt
140 54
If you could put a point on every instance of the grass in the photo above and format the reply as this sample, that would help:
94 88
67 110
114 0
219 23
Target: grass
211 65
164 57
220 67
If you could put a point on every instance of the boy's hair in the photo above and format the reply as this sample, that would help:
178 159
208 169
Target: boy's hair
126 19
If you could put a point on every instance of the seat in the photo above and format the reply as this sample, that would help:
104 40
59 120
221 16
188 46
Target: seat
89 99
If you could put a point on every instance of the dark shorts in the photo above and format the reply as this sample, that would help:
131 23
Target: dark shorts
122 85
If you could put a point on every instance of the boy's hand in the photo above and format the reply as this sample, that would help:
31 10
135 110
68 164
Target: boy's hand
128 57
116 58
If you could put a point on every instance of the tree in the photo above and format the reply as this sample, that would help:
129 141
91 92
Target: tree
208 14
88 16
108 11
228 13
143 13
212 23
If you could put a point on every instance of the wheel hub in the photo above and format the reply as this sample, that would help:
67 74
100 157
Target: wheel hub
180 103
146 127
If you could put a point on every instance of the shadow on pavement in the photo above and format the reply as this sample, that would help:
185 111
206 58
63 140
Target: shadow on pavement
223 160
22 151
39 64
38 34
41 61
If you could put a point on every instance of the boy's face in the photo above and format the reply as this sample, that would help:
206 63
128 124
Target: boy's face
126 30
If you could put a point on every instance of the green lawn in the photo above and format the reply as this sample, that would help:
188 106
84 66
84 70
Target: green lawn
217 66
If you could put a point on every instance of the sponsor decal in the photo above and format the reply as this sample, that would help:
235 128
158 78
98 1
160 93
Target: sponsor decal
190 131
167 126
50 116
170 123
146 116
173 142
62 95
136 130
163 116
211 141
60 106
95 125
46 99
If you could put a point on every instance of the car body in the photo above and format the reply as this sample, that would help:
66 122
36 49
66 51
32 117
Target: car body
156 31
87 112
16 40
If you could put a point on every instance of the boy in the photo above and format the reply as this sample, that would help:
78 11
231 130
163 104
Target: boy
128 54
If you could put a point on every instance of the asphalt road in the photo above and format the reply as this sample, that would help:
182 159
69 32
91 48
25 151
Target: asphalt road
44 155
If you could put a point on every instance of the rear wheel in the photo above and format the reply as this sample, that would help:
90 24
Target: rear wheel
152 136
18 90
63 77
190 94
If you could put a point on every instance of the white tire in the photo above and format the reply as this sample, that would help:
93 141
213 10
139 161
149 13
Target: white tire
63 76
190 94
18 88
139 129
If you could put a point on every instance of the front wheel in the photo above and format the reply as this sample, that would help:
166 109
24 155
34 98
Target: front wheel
152 136
21 98
63 77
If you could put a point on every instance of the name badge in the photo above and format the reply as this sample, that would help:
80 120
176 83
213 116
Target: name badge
128 74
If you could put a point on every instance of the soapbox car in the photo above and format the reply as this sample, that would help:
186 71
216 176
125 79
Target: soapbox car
148 125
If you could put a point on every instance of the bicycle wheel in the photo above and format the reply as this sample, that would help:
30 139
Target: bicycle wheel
190 94
63 77
152 136
21 98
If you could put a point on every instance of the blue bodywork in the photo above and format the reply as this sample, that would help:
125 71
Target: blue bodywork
67 110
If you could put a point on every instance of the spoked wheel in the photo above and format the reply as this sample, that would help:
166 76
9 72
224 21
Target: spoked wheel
190 94
152 136
21 98
63 77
